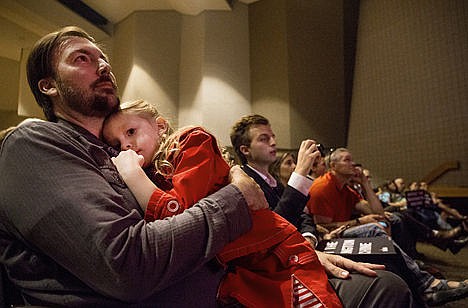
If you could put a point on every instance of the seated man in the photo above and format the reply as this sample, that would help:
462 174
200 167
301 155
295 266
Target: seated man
332 203
71 232
254 143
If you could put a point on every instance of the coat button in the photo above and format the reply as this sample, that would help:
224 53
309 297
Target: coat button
173 206
293 259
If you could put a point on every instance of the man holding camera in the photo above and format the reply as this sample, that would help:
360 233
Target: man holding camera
254 143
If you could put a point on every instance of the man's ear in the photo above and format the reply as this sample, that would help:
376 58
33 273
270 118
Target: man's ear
244 150
47 86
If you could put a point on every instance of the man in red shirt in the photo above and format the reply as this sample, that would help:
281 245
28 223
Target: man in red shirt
333 202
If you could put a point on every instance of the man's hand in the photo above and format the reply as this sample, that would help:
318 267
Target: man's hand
252 192
371 218
340 267
359 176
335 233
306 156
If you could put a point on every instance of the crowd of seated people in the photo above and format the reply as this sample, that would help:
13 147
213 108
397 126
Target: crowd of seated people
447 214
86 242
282 170
282 167
432 220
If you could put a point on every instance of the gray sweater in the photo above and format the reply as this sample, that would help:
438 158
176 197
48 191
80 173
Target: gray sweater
72 234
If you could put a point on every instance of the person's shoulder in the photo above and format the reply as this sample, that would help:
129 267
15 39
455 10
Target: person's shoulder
31 122
39 131
29 127
193 134
193 131
31 134
251 172
322 184
38 124
322 180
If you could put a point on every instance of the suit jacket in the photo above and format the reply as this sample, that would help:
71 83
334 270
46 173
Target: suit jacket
285 201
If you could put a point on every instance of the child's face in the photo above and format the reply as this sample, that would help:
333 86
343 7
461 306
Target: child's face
133 132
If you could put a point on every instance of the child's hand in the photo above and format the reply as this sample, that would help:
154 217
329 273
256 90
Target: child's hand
127 162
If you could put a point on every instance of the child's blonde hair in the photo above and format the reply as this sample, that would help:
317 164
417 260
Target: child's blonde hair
169 144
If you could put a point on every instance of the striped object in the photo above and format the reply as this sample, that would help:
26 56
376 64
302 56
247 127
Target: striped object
303 297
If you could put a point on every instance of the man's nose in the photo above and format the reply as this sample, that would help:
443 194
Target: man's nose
272 141
104 68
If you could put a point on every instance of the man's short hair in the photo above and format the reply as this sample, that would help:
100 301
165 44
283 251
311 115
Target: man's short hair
41 63
335 155
240 133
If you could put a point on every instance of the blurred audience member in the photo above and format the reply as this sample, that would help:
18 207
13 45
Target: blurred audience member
283 167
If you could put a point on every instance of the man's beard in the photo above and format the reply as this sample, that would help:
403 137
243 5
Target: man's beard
88 103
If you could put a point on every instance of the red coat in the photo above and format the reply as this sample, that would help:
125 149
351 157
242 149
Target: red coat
265 260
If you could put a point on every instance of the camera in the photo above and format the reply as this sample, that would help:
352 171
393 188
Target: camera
321 149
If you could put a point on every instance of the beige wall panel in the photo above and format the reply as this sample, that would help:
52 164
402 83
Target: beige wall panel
147 52
214 77
9 84
410 98
297 68
316 72
269 65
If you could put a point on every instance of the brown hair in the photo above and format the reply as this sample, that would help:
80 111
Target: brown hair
168 145
275 167
240 133
41 63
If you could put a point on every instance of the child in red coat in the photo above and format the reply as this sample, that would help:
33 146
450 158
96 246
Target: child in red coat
271 265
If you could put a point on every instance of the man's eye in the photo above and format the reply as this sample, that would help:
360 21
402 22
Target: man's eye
130 131
82 58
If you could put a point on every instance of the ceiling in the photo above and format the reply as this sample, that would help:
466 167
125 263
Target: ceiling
115 11
23 21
